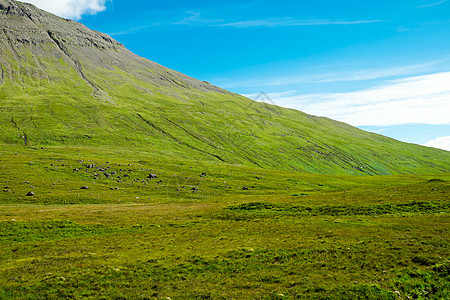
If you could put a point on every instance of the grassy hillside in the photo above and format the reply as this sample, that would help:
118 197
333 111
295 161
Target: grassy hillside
65 85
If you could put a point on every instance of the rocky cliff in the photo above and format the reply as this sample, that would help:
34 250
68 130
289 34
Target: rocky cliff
23 26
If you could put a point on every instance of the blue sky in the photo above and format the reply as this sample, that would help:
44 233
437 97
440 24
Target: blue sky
383 66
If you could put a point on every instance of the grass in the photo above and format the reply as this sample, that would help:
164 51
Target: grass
170 120
121 179
288 236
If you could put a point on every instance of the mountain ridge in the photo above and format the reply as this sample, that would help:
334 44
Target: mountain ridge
64 84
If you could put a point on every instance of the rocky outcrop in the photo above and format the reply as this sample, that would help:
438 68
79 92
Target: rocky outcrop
25 28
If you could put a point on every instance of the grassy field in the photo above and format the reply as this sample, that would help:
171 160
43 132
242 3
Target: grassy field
122 179
98 227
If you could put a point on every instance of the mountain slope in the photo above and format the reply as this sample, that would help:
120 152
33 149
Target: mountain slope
63 84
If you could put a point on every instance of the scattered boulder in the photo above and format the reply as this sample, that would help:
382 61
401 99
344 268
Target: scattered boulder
194 189
436 180
84 187
245 188
30 194
203 174
152 176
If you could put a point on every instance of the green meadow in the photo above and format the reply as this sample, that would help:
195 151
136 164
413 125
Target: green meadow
99 227
122 179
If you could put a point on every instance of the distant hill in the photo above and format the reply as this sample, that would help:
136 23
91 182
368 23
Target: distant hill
64 84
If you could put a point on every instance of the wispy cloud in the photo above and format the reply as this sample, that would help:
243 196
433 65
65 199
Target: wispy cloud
343 76
441 143
433 4
421 100
371 74
195 18
284 22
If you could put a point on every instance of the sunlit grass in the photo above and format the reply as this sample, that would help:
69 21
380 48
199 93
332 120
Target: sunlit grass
287 236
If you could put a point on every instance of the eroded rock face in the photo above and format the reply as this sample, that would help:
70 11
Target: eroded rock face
25 29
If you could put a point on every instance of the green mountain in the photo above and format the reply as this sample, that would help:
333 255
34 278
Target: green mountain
64 85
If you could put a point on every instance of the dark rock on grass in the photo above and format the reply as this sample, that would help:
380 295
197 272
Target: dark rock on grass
84 187
203 174
245 188
152 176
194 189
436 180
114 188
30 193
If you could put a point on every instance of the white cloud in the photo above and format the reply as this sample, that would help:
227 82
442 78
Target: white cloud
420 100
71 9
195 18
432 4
441 143
343 76
292 22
